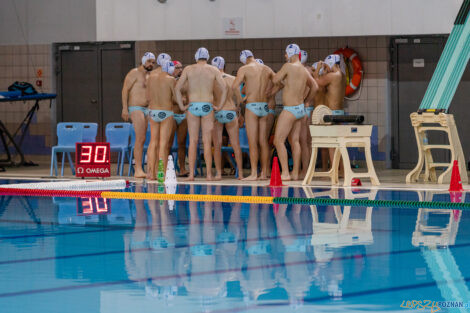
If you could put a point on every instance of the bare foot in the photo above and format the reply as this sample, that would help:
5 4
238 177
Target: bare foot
140 174
263 176
190 178
285 177
150 177
240 177
218 177
251 178
210 178
294 176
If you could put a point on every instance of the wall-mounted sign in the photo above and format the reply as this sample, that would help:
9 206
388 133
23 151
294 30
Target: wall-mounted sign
418 62
233 26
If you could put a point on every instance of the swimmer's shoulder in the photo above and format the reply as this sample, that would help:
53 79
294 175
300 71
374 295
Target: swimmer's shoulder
133 72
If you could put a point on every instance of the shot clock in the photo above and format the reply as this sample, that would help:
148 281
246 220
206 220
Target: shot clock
92 159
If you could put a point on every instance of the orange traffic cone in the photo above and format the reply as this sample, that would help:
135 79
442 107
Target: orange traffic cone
455 181
276 180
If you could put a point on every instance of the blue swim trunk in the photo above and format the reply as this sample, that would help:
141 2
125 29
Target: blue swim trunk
179 118
200 108
272 111
308 111
138 108
258 108
225 116
160 115
297 110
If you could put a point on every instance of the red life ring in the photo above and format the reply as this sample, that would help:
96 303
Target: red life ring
355 78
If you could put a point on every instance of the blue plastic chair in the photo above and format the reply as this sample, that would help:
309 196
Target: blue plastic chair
243 138
131 148
117 134
68 134
174 152
89 132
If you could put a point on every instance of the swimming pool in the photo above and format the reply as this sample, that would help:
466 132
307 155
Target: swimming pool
114 255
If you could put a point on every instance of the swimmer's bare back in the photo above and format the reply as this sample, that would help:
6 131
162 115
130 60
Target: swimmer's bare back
295 79
257 78
200 79
230 100
160 90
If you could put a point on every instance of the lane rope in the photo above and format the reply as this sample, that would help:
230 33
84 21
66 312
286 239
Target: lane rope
235 199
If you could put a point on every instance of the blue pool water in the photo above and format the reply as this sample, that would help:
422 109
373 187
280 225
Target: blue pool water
87 255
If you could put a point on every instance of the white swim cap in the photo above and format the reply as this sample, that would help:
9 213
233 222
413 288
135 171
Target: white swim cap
162 58
168 67
218 62
315 65
292 50
332 59
259 61
148 56
304 56
202 53
244 55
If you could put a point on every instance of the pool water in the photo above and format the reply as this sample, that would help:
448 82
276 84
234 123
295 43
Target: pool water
102 255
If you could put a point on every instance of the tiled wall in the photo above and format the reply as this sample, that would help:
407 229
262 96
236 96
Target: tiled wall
21 63
372 100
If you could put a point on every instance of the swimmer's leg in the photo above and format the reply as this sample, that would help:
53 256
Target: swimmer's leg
139 121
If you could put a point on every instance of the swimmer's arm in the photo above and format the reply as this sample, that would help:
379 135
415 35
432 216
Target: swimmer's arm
172 87
313 86
236 85
129 81
277 80
323 80
222 85
279 76
179 87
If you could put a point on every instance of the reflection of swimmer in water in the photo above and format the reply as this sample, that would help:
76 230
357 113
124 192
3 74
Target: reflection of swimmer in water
202 257
162 243
297 278
228 236
259 251
137 244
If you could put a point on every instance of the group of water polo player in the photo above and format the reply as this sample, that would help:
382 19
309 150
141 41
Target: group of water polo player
202 97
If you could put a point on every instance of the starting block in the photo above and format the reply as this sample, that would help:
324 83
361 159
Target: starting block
341 137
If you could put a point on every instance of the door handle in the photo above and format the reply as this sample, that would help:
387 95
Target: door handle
93 101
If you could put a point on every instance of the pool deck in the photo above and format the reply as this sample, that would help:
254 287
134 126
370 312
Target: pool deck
390 179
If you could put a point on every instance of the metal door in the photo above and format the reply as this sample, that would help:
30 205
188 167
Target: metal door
115 64
414 61
79 92
89 78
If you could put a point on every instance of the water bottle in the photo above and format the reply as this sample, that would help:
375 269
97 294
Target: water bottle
161 172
